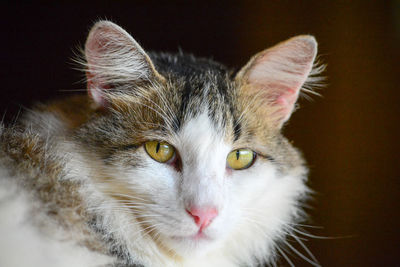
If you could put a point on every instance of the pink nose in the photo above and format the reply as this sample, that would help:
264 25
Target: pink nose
203 215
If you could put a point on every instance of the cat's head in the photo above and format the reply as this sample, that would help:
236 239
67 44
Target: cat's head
192 152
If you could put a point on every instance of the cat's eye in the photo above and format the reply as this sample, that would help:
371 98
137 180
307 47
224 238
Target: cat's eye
159 151
240 159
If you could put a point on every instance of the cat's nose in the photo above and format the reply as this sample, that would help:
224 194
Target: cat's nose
202 216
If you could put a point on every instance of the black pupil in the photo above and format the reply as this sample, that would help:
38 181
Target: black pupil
237 154
158 147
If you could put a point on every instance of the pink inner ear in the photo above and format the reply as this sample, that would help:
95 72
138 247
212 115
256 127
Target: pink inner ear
287 101
95 90
287 98
105 38
95 84
282 98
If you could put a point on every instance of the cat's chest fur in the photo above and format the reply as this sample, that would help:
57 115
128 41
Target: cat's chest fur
169 161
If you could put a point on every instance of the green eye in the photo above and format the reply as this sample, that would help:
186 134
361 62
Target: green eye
159 151
240 159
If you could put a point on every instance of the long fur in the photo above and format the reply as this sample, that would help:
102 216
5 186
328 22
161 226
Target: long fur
89 194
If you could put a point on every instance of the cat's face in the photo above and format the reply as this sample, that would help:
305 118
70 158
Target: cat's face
198 172
194 156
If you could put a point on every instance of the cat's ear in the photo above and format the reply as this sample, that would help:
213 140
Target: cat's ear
114 57
276 75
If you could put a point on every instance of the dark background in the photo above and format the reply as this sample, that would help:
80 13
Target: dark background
350 136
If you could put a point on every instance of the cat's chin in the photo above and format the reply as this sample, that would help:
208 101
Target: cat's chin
191 245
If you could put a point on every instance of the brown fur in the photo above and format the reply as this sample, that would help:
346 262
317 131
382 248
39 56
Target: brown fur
29 158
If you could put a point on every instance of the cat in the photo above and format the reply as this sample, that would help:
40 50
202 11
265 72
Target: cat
168 160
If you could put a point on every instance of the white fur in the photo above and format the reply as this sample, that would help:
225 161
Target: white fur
23 244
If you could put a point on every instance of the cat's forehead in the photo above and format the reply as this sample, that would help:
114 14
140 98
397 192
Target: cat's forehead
194 88
198 88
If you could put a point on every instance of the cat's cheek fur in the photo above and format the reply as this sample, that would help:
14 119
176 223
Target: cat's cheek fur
269 208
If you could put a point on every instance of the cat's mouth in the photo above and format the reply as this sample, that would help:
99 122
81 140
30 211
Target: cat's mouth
198 237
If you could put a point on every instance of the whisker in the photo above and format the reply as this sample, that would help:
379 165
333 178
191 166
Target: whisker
301 255
285 256
305 248
316 236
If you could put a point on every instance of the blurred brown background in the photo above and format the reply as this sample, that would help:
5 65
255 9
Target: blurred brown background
350 136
